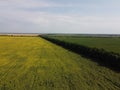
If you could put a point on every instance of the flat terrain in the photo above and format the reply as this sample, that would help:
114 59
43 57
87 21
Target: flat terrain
32 63
111 44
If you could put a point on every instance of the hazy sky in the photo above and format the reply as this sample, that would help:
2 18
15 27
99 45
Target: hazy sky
60 16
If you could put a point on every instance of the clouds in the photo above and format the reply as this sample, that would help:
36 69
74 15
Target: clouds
17 4
38 16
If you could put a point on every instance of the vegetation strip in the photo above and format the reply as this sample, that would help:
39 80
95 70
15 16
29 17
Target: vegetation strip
110 44
105 58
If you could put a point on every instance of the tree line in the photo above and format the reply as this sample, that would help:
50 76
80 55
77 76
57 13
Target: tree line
105 58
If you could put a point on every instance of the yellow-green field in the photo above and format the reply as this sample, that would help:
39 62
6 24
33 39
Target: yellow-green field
32 63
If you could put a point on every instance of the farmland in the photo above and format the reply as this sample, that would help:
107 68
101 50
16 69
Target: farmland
111 44
32 63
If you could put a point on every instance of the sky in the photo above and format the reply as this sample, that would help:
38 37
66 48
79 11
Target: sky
60 16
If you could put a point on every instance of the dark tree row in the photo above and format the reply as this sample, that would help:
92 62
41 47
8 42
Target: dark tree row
108 59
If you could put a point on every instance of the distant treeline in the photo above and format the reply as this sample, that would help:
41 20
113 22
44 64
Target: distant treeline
18 35
105 58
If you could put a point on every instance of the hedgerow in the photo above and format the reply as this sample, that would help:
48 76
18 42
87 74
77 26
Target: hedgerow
102 56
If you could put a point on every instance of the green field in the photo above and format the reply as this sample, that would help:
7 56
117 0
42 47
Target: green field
32 63
111 44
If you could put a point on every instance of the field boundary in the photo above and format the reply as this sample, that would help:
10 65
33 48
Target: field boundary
101 56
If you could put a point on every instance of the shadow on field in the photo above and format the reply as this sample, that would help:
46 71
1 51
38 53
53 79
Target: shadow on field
103 58
100 63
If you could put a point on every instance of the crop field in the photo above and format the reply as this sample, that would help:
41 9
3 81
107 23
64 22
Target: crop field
111 44
33 63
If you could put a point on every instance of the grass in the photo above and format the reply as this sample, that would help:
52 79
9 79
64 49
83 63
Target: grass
32 63
111 44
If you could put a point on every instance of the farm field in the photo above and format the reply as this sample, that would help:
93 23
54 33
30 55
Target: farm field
32 63
111 44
